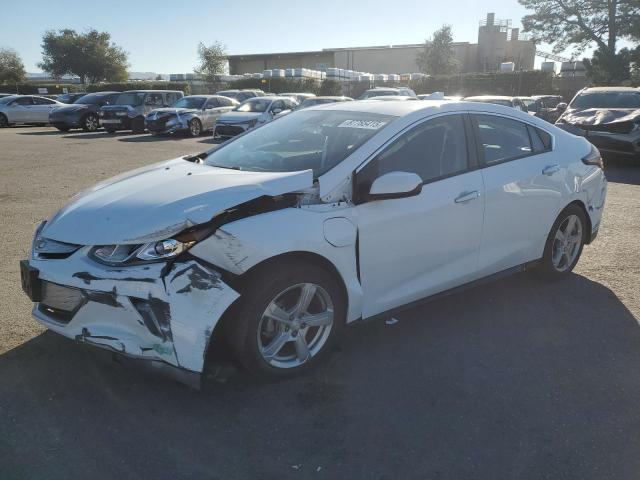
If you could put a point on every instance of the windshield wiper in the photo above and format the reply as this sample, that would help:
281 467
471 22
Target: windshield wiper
223 166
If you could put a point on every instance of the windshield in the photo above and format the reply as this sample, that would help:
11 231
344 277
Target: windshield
7 99
308 139
377 93
92 99
607 100
130 98
190 102
253 106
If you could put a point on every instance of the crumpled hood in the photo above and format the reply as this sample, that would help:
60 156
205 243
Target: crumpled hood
600 116
238 117
172 110
157 201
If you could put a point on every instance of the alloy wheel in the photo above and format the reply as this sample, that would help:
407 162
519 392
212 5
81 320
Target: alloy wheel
567 243
295 325
91 123
194 128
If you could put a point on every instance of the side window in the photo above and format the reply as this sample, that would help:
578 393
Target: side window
434 149
212 103
277 104
172 98
154 99
23 101
42 101
224 101
540 140
501 138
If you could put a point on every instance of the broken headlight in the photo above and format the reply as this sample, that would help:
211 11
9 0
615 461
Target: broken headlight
152 251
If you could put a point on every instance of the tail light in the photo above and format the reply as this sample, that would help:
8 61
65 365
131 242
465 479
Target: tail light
593 158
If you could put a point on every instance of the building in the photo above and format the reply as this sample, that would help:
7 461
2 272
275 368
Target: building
497 43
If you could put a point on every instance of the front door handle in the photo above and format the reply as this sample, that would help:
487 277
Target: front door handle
550 169
466 197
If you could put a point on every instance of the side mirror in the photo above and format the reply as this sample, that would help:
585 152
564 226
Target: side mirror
561 106
395 185
276 111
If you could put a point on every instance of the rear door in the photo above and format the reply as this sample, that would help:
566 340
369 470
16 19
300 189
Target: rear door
524 189
211 111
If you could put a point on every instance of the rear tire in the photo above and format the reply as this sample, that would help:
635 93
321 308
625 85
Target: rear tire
63 129
564 244
300 336
137 125
110 131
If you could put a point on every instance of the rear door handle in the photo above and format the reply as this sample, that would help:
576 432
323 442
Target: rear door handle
550 169
466 197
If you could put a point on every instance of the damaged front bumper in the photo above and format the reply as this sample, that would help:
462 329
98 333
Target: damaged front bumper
167 125
162 313
607 141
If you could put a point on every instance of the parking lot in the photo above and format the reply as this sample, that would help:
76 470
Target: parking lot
514 379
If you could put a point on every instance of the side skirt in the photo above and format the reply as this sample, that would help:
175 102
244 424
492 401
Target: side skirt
481 281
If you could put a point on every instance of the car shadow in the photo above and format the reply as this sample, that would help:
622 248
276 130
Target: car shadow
144 138
513 379
39 133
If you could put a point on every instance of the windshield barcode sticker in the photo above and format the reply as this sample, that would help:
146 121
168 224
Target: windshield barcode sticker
368 124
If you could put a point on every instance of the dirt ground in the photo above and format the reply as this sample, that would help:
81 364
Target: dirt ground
515 379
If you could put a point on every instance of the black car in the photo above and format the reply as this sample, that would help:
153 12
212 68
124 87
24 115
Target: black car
69 97
551 107
609 117
83 113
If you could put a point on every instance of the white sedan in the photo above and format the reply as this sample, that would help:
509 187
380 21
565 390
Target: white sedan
26 109
335 213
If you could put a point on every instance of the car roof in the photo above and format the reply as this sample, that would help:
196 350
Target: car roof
610 89
490 97
153 91
101 93
329 97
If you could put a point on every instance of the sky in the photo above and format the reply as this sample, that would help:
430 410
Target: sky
164 39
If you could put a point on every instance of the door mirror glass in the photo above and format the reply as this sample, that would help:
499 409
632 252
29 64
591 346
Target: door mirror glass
395 185
561 106
276 111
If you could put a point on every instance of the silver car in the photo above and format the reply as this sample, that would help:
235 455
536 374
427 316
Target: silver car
26 109
193 115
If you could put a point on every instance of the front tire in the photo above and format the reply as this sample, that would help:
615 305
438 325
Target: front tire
195 127
90 123
285 323
564 243
110 131
63 129
4 122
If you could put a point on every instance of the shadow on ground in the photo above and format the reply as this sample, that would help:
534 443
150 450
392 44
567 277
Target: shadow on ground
516 379
618 171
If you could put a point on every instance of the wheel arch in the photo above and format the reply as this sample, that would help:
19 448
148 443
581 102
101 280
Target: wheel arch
580 204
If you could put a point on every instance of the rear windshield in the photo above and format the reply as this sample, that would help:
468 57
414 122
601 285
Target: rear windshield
377 93
607 100
305 139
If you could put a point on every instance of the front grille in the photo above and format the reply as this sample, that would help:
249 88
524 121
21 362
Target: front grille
60 302
228 130
111 114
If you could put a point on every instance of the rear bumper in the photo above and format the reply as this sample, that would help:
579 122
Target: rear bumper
158 314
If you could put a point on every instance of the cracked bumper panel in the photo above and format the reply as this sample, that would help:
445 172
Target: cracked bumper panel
140 311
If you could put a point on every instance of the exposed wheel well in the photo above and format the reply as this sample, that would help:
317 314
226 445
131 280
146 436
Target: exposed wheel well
279 260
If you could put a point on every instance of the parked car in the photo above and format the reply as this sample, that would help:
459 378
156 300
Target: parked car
551 107
131 106
310 102
26 109
275 240
83 113
241 95
69 97
609 117
193 115
298 97
387 91
392 98
513 102
251 113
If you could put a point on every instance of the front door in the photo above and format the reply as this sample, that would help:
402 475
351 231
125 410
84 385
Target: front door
41 109
20 110
417 246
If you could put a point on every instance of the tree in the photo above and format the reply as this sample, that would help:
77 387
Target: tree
580 24
11 67
91 56
213 61
159 77
437 57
